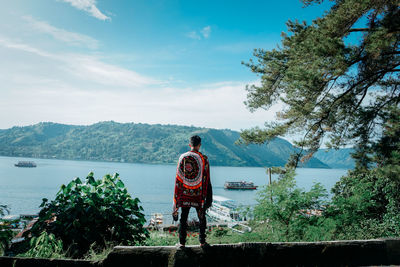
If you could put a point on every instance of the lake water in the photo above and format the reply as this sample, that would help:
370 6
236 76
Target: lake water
22 189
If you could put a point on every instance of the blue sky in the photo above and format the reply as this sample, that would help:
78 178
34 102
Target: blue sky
168 62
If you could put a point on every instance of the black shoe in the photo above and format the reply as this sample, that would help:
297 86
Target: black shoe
204 245
180 246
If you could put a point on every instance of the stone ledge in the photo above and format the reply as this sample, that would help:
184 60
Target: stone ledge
28 262
328 253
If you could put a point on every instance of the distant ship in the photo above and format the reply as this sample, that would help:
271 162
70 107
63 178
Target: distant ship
242 185
27 164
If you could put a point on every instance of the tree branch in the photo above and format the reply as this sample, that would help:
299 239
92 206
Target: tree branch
360 30
392 53
370 30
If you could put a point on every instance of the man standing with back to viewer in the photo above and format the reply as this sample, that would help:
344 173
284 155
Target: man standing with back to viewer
192 189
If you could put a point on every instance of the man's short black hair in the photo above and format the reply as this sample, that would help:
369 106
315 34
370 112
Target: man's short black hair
195 140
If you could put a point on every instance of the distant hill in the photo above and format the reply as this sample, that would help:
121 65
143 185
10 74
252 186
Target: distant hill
141 143
338 159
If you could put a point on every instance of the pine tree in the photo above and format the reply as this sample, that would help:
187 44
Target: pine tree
334 77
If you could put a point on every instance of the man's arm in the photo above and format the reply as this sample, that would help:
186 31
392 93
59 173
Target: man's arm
209 197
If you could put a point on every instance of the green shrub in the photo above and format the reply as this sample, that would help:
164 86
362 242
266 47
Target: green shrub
5 233
283 207
367 204
44 246
99 212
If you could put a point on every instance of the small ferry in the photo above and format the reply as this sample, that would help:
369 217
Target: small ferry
242 185
156 219
26 164
223 210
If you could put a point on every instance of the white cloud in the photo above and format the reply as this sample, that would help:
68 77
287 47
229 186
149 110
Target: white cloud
71 38
79 89
37 84
194 35
89 6
218 107
5 42
206 31
81 68
93 69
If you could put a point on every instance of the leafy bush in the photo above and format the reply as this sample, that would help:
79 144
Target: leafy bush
5 233
99 212
44 246
286 210
367 204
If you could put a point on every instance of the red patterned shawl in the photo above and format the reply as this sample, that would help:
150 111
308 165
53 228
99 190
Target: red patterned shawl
192 179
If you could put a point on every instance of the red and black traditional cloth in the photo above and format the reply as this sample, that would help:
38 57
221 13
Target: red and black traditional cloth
192 183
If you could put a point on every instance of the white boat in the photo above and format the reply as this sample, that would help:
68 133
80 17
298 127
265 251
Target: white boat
156 219
223 210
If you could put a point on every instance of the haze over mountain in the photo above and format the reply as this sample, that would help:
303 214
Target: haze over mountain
141 143
338 159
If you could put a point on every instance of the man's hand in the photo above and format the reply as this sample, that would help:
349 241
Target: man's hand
175 215
201 212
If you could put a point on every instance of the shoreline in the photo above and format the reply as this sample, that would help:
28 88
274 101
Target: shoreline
158 163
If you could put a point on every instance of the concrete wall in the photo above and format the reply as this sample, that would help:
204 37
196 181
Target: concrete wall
332 253
28 262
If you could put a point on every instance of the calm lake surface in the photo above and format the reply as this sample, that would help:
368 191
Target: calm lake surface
22 189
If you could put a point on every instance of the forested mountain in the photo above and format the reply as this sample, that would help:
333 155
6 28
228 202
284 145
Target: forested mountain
142 143
338 159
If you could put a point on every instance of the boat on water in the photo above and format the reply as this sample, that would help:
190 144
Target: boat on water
26 164
242 185
223 210
156 219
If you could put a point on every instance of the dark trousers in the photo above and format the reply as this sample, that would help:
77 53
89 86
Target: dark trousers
201 214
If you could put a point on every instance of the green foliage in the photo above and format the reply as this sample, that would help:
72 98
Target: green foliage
366 205
341 87
334 81
366 202
285 209
5 233
387 149
98 254
219 232
44 246
170 239
5 237
157 238
97 211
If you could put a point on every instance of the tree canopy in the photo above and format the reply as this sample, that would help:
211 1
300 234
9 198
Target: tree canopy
335 76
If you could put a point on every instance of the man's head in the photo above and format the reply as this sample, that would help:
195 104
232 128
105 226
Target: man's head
195 142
